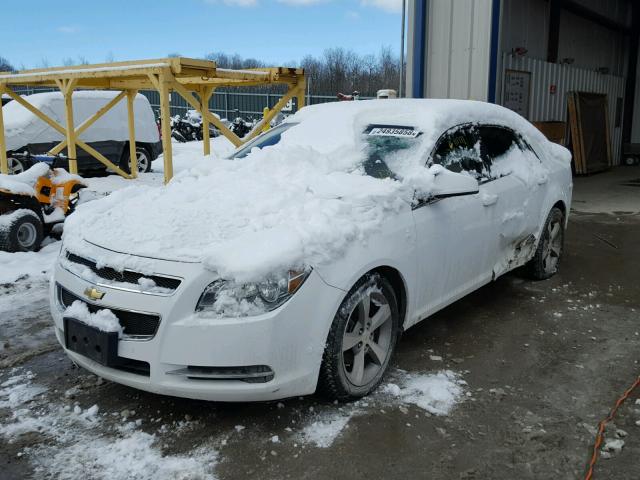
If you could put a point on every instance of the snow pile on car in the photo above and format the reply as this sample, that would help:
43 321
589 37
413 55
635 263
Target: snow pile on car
22 127
302 201
104 320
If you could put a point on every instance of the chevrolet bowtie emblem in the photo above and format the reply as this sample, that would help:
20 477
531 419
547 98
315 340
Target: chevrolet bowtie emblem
93 293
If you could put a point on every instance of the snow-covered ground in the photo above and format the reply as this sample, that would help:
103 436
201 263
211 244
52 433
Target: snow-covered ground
77 441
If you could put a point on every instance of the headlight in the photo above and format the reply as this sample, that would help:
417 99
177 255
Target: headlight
225 298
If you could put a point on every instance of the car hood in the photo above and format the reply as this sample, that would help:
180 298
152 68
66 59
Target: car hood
243 219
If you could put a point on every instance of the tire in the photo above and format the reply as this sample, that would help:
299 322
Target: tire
630 161
144 160
24 234
340 377
16 165
176 135
546 260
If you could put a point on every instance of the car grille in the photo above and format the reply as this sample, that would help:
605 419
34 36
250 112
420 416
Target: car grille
126 276
134 324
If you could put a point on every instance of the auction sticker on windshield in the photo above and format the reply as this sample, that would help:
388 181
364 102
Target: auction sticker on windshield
394 132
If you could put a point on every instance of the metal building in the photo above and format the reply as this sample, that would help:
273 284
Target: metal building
476 48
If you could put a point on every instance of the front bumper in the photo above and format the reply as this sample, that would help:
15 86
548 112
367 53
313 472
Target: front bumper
290 340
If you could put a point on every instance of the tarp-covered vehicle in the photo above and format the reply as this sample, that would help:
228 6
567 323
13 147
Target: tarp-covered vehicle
33 202
109 135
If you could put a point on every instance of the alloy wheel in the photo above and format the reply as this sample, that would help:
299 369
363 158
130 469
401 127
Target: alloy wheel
367 338
552 245
143 161
15 166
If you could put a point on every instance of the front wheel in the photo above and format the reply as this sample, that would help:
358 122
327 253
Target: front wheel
361 341
544 263
23 234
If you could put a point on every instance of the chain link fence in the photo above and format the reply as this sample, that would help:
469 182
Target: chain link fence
226 104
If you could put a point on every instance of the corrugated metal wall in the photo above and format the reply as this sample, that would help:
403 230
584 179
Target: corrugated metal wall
545 106
458 49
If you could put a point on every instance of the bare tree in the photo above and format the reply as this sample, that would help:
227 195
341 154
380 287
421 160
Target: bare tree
5 66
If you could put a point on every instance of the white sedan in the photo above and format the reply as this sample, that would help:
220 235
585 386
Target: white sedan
294 265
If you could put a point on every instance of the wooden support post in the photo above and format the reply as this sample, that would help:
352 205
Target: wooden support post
205 95
165 119
67 90
133 154
270 115
4 164
267 125
302 86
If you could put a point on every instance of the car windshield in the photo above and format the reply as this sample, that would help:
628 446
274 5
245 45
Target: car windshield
270 137
388 146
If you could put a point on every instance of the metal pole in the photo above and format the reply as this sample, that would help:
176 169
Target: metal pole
400 89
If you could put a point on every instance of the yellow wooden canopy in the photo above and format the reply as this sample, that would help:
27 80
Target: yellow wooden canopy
186 76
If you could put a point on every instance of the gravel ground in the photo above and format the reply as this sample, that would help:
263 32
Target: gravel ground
535 365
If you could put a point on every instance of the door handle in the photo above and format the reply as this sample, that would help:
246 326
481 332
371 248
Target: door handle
488 199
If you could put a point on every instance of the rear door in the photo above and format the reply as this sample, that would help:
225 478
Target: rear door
514 187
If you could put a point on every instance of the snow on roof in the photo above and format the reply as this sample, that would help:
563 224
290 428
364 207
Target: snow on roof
67 71
23 128
302 201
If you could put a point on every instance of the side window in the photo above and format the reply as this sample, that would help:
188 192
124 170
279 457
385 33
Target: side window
459 150
497 144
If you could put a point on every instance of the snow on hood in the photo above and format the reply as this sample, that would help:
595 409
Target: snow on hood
302 201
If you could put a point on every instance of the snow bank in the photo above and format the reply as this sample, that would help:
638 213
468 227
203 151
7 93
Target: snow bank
23 183
37 265
104 320
302 201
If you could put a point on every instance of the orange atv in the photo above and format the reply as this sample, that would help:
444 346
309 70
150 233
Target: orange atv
33 202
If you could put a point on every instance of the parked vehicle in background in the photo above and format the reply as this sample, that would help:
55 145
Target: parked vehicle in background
26 133
188 128
241 127
295 264
33 202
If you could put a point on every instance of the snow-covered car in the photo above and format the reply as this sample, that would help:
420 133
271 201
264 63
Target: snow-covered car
295 264
109 135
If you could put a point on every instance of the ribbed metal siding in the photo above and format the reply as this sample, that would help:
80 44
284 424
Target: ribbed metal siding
545 106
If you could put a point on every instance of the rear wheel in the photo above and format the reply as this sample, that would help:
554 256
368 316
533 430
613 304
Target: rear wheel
544 263
361 341
23 234
144 161
16 165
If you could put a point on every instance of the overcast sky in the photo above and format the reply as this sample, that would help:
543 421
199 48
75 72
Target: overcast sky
275 31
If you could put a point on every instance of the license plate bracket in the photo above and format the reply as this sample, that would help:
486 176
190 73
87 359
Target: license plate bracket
99 346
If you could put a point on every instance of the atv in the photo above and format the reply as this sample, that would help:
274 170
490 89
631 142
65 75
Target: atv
34 202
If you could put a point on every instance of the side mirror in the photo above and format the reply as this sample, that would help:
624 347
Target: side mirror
451 184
